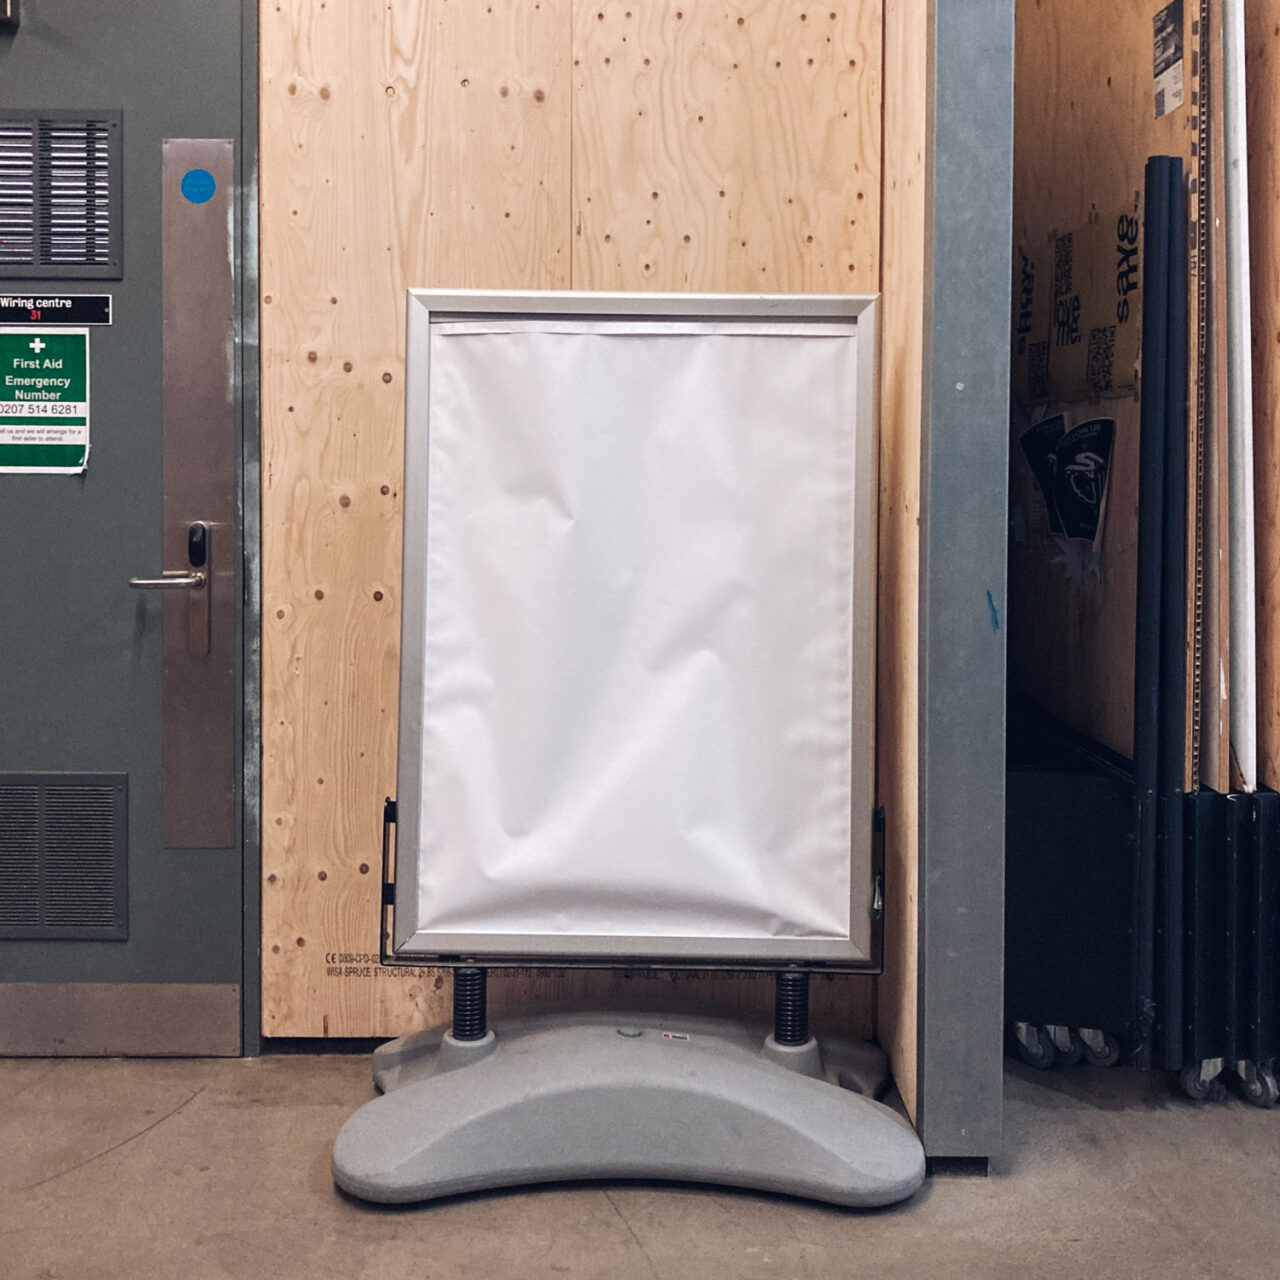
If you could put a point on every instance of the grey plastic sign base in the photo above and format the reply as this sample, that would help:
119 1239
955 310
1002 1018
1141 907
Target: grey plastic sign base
565 1098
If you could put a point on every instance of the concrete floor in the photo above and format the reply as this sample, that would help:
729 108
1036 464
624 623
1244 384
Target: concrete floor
194 1169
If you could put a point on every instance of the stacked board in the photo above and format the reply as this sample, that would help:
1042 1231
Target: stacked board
1262 67
1078 178
1089 114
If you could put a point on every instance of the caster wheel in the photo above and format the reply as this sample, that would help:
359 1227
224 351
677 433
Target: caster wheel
1068 1048
1100 1049
1035 1047
1198 1089
1260 1088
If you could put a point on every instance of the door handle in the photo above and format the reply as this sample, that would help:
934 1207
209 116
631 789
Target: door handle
171 581
193 580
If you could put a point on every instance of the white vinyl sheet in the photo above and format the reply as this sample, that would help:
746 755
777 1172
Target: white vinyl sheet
637 666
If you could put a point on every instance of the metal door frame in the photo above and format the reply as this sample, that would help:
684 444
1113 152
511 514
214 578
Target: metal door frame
250 490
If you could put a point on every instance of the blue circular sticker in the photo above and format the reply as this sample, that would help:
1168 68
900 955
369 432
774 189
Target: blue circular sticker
198 185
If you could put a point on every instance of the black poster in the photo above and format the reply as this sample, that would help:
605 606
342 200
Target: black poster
1038 445
1070 468
1081 461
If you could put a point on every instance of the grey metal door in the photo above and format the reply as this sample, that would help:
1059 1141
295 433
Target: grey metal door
122 873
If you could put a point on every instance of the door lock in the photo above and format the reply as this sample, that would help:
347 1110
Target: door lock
194 580
198 545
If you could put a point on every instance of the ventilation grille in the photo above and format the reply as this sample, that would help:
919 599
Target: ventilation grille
17 194
60 195
19 857
75 193
63 865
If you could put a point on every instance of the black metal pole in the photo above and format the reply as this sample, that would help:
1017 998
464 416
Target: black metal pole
1151 483
1173 644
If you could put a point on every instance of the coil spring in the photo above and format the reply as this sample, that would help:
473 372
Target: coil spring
469 1012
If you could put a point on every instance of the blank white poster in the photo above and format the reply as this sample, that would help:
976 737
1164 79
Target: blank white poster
637 652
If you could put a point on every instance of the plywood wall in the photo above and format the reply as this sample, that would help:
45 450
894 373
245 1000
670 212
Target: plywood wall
1084 127
1262 32
728 148
495 144
901 399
